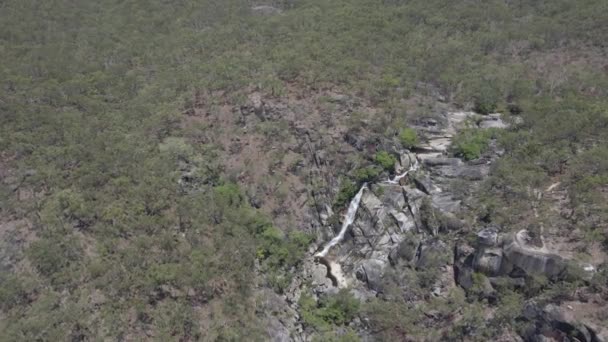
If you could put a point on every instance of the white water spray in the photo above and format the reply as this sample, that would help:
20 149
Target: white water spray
399 177
349 218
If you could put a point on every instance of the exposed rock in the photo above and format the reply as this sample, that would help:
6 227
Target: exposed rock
402 223
441 161
492 121
440 144
487 237
449 222
319 276
464 275
424 155
532 260
406 160
370 272
473 172
553 321
406 250
393 197
425 184
489 261
355 140
406 223
370 218
498 256
463 265
280 319
598 333
444 167
265 10
445 203
432 253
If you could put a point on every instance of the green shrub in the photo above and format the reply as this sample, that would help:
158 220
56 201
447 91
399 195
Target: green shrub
348 190
53 254
408 137
367 174
164 273
338 309
386 160
470 144
13 291
486 100
279 252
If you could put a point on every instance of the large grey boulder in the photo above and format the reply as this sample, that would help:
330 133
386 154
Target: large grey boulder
393 197
463 264
425 183
489 261
557 322
532 260
432 253
445 202
370 272
439 144
487 237
406 160
320 276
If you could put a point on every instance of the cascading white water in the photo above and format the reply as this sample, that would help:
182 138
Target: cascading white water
349 218
399 177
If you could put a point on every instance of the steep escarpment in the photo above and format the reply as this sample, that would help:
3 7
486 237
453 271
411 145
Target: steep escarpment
416 224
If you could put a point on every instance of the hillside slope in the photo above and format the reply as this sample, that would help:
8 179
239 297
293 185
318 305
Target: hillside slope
169 169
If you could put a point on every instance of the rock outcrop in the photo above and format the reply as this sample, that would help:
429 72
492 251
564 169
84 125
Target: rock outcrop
404 223
555 323
503 254
400 222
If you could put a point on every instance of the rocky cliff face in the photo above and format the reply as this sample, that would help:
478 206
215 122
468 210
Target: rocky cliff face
404 221
416 221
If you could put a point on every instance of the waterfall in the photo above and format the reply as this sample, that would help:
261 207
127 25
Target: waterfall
398 177
348 220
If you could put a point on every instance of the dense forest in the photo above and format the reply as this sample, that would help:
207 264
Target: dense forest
124 217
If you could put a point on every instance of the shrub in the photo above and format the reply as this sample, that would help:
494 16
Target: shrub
338 309
12 292
408 137
53 254
386 160
347 191
486 100
470 144
367 174
279 252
